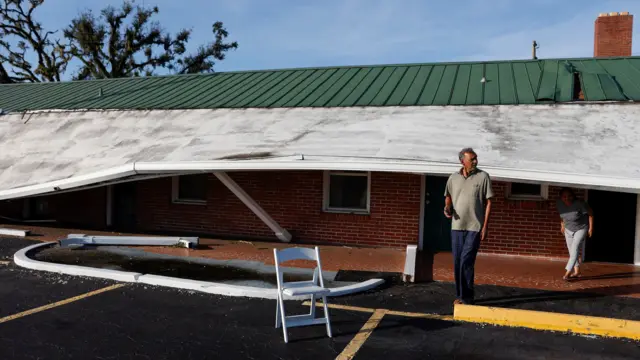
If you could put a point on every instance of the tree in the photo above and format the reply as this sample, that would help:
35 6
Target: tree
21 36
125 42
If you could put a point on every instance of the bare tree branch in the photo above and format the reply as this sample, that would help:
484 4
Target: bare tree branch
18 24
203 59
126 42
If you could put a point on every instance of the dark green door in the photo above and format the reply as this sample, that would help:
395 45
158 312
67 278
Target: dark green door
614 227
124 206
437 228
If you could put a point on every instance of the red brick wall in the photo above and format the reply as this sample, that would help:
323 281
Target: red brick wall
613 35
81 207
520 227
293 199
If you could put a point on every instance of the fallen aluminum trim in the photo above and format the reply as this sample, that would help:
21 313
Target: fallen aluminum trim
82 239
14 232
21 259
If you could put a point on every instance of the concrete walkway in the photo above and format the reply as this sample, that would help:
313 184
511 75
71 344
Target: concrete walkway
516 272
334 258
540 274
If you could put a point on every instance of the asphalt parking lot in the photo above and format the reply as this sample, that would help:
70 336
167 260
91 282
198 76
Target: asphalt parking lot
51 316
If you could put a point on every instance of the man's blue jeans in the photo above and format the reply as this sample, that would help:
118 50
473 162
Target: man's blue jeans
465 245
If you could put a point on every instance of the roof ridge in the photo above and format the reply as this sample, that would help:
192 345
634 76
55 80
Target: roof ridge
242 89
199 75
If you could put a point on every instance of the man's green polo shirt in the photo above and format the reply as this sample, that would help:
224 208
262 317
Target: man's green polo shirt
468 196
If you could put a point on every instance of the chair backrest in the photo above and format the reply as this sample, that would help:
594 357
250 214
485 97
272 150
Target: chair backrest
298 253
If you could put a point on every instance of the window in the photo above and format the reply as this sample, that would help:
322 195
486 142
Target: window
523 191
347 191
190 189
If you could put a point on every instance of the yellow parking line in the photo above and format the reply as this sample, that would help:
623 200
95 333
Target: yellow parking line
356 343
387 311
421 315
342 307
59 303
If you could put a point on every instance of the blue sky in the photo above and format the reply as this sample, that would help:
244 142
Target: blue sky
300 33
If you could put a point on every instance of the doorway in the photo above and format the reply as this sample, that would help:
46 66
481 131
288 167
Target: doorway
124 206
437 228
614 227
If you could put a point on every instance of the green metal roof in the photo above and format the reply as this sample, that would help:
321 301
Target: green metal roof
507 82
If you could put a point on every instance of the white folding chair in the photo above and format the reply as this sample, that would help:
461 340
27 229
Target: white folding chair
314 288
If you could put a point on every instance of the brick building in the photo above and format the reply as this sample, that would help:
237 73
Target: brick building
344 155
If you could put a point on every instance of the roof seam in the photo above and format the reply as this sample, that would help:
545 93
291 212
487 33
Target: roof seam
263 89
484 83
300 80
369 87
455 77
513 84
314 77
355 86
337 91
217 86
415 78
614 80
331 73
466 93
424 86
406 68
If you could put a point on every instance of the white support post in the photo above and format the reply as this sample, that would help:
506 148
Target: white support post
422 210
637 252
280 232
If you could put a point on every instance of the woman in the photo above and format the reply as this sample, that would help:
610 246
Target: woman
576 224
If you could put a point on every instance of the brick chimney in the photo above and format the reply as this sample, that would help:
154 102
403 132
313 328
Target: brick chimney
613 33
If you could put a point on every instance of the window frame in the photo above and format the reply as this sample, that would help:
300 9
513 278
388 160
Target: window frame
327 192
543 196
175 192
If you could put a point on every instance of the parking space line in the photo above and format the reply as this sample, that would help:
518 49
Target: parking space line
5 262
387 311
421 315
59 303
356 343
342 307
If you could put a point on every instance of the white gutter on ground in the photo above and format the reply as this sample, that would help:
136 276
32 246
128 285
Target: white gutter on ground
14 232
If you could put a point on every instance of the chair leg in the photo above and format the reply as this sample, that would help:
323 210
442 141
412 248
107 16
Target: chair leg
278 311
283 317
326 315
312 312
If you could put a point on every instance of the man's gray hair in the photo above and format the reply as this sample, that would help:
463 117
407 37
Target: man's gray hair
465 151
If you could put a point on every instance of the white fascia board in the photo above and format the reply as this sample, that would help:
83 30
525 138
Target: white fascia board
319 163
401 166
69 183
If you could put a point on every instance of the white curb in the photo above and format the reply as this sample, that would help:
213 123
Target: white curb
21 259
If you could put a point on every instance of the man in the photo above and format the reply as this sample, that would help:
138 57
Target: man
467 201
